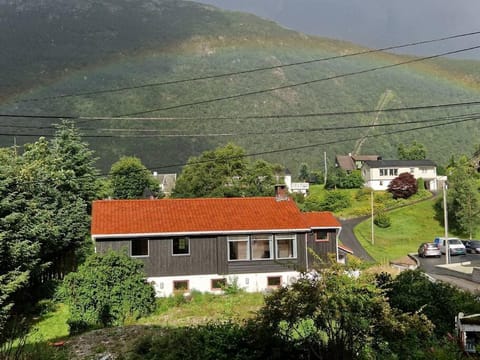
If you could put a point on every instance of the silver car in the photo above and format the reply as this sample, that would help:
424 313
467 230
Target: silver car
429 249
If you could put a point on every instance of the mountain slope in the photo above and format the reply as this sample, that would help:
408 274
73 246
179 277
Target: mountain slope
61 47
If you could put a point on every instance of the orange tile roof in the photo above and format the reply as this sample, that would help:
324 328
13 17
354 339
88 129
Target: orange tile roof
201 215
320 219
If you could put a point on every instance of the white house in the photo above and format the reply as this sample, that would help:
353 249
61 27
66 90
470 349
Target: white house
379 174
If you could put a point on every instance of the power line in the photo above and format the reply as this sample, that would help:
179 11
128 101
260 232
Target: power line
245 117
215 76
309 82
317 144
151 168
153 133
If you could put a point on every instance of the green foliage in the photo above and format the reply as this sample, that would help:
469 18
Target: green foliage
341 179
420 184
463 198
226 172
129 179
338 316
415 151
304 172
382 219
107 290
412 292
335 200
214 341
403 186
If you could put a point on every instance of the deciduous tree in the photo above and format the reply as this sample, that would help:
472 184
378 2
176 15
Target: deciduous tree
403 186
130 178
225 172
415 151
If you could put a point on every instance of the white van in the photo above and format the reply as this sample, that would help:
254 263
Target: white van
455 246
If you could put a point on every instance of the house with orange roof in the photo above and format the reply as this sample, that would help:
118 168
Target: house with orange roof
207 243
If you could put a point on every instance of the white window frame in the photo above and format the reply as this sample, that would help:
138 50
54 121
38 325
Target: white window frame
263 238
140 256
238 238
293 239
188 245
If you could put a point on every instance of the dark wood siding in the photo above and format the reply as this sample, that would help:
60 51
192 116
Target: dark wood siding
203 257
321 248
208 255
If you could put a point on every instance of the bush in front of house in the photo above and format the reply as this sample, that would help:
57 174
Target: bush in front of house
106 290
335 200
403 186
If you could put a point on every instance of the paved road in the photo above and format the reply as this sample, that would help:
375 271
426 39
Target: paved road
428 265
347 237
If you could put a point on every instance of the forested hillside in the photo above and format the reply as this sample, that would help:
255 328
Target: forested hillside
143 50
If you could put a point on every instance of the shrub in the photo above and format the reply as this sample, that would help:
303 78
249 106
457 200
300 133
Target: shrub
403 186
107 290
382 220
335 201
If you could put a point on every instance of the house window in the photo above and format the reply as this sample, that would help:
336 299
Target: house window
286 246
274 281
321 235
180 285
383 172
412 170
218 284
393 172
139 247
238 248
181 246
261 246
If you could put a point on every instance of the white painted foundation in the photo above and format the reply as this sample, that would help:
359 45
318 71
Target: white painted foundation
257 282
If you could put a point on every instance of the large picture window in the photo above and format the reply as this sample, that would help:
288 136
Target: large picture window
238 248
181 246
262 247
286 245
139 247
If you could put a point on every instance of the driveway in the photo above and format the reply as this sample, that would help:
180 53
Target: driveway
347 237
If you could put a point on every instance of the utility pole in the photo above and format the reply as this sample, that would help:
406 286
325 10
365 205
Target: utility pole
325 165
445 220
371 205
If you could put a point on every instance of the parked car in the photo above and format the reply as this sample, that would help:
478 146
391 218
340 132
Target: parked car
472 246
429 249
455 246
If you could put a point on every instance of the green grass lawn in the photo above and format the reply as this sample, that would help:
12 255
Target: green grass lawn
51 326
411 225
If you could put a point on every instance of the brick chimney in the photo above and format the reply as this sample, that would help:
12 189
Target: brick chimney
281 192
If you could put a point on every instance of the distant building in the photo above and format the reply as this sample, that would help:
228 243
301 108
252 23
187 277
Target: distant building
379 174
353 162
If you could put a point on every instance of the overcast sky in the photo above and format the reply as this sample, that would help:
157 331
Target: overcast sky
373 23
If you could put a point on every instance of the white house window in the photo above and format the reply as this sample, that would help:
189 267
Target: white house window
262 247
274 281
181 246
139 247
238 248
383 172
393 172
321 235
412 170
286 245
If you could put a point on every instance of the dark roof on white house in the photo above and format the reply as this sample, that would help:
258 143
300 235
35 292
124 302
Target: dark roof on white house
399 163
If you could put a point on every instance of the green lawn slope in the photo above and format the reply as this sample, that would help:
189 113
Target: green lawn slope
411 225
